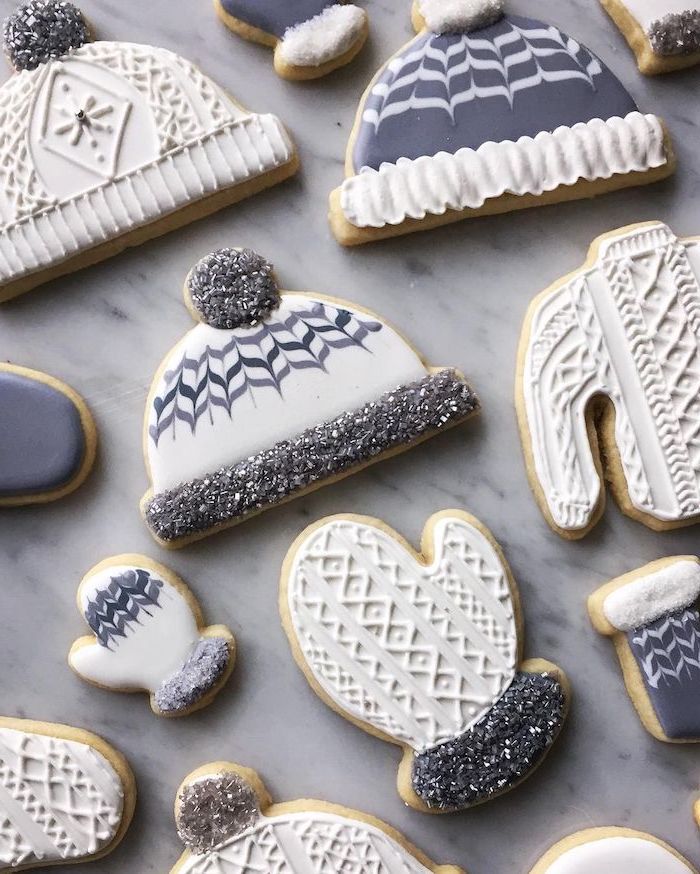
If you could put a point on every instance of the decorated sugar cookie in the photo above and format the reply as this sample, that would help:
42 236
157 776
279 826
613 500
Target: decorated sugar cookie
106 144
612 851
608 377
310 37
663 34
487 113
47 437
653 618
276 393
229 825
149 634
423 650
65 795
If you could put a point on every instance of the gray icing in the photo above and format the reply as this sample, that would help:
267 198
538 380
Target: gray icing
42 442
668 654
275 16
515 78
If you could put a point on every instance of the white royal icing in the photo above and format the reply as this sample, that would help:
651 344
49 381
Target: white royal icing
161 135
412 189
627 327
618 855
443 16
157 631
279 392
59 799
324 37
648 11
299 842
650 597
420 653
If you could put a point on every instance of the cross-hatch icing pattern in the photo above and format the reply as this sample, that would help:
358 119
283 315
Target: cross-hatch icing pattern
419 653
628 328
58 799
307 844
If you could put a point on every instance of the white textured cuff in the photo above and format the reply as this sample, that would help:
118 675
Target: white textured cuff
649 598
460 16
324 37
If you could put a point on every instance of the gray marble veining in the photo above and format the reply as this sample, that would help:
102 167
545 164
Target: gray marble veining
460 294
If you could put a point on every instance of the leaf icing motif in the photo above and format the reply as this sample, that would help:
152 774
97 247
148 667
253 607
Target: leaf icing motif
125 601
669 649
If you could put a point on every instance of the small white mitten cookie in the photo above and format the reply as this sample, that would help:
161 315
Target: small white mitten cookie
66 796
149 635
229 825
423 650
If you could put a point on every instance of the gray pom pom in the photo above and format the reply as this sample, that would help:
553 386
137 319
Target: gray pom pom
214 809
43 29
676 34
233 287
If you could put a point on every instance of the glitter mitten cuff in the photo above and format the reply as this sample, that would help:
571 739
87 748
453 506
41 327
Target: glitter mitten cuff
197 678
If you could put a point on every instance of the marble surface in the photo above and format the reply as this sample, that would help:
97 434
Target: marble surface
460 294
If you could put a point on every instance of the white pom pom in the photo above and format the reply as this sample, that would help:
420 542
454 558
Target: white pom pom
460 16
324 37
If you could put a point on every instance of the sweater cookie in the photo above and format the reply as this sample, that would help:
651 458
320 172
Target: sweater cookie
653 618
104 145
229 825
149 635
277 393
487 113
425 651
310 37
608 383
65 795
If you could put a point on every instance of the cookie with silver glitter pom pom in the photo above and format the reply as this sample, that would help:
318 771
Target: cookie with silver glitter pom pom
94 159
275 393
227 822
663 34
148 634
423 650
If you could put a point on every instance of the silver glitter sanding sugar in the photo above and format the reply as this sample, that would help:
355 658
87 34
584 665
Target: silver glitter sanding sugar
199 675
676 34
40 30
213 810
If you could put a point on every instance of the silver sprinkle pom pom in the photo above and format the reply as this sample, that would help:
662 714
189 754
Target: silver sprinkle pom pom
40 30
676 34
215 809
233 287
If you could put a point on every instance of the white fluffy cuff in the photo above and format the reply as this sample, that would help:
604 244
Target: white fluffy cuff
460 16
324 37
648 598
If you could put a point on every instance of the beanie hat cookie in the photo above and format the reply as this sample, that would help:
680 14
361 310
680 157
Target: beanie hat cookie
663 34
485 113
310 37
228 823
47 437
275 393
424 650
107 144
653 618
608 382
149 634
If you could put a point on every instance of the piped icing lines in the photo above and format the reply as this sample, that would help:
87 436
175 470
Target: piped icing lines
276 392
310 38
99 140
47 437
148 634
626 326
652 615
65 796
612 851
228 826
422 650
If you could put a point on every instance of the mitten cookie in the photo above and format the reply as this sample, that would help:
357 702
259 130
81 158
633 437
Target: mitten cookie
423 650
276 393
612 851
652 616
149 635
485 113
310 37
47 437
104 145
65 795
663 34
229 825
608 382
